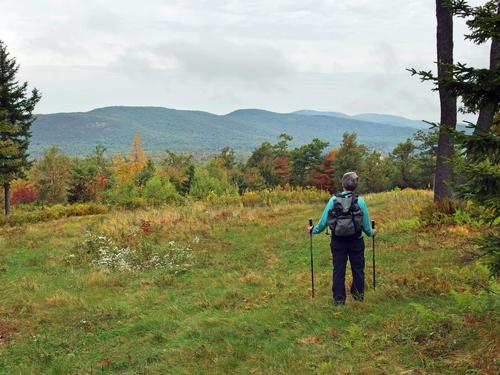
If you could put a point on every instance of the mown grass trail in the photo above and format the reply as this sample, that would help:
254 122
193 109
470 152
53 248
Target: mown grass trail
245 306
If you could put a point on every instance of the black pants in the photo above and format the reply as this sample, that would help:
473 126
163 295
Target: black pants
354 249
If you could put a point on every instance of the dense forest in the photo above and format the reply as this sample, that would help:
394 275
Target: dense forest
135 179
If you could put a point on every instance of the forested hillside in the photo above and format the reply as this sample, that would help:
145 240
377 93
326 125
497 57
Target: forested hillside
161 128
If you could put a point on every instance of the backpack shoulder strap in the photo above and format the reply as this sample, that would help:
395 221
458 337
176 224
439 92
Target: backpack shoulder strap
355 198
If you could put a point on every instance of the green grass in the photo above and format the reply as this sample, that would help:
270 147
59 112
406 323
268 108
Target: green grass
245 306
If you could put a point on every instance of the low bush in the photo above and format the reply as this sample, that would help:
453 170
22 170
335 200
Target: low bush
205 185
23 195
158 191
126 196
31 214
449 212
435 213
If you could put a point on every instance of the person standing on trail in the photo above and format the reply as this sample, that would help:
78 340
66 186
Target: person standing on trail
347 216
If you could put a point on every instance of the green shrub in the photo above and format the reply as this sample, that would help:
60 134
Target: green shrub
126 196
158 191
204 185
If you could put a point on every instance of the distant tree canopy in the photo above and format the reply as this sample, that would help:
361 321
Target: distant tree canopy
135 179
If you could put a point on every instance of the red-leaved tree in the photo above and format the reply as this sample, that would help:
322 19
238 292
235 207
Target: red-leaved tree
323 178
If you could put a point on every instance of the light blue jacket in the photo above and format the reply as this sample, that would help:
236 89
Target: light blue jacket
318 228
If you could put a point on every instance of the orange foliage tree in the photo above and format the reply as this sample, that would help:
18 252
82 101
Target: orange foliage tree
125 169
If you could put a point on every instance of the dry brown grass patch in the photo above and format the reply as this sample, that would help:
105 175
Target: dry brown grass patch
62 299
311 340
421 282
252 279
100 279
6 331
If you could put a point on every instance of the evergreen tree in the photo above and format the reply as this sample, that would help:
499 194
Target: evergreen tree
447 98
479 89
349 158
481 184
16 117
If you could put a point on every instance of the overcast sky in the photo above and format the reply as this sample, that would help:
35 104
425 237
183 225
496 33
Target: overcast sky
218 55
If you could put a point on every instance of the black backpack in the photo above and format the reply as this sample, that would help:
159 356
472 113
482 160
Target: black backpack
345 218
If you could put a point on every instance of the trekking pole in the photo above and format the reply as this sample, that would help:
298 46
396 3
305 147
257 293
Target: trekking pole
311 252
373 258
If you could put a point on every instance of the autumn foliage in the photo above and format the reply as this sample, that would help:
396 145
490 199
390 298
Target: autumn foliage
23 192
135 179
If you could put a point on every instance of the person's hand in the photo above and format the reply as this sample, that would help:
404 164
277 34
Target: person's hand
374 231
309 229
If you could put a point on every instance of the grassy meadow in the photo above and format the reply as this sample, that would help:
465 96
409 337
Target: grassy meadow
234 298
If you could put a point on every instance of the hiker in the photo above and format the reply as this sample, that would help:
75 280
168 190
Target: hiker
347 216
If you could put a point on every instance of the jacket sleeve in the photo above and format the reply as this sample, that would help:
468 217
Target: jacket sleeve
318 228
367 227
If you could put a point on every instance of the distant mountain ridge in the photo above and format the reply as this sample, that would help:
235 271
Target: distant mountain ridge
184 130
371 117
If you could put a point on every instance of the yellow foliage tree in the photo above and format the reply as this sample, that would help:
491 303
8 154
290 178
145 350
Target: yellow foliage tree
125 169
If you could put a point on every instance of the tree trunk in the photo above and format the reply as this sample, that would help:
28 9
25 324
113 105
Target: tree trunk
6 190
448 101
488 110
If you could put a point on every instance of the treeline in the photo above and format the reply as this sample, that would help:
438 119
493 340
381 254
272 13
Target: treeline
134 179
